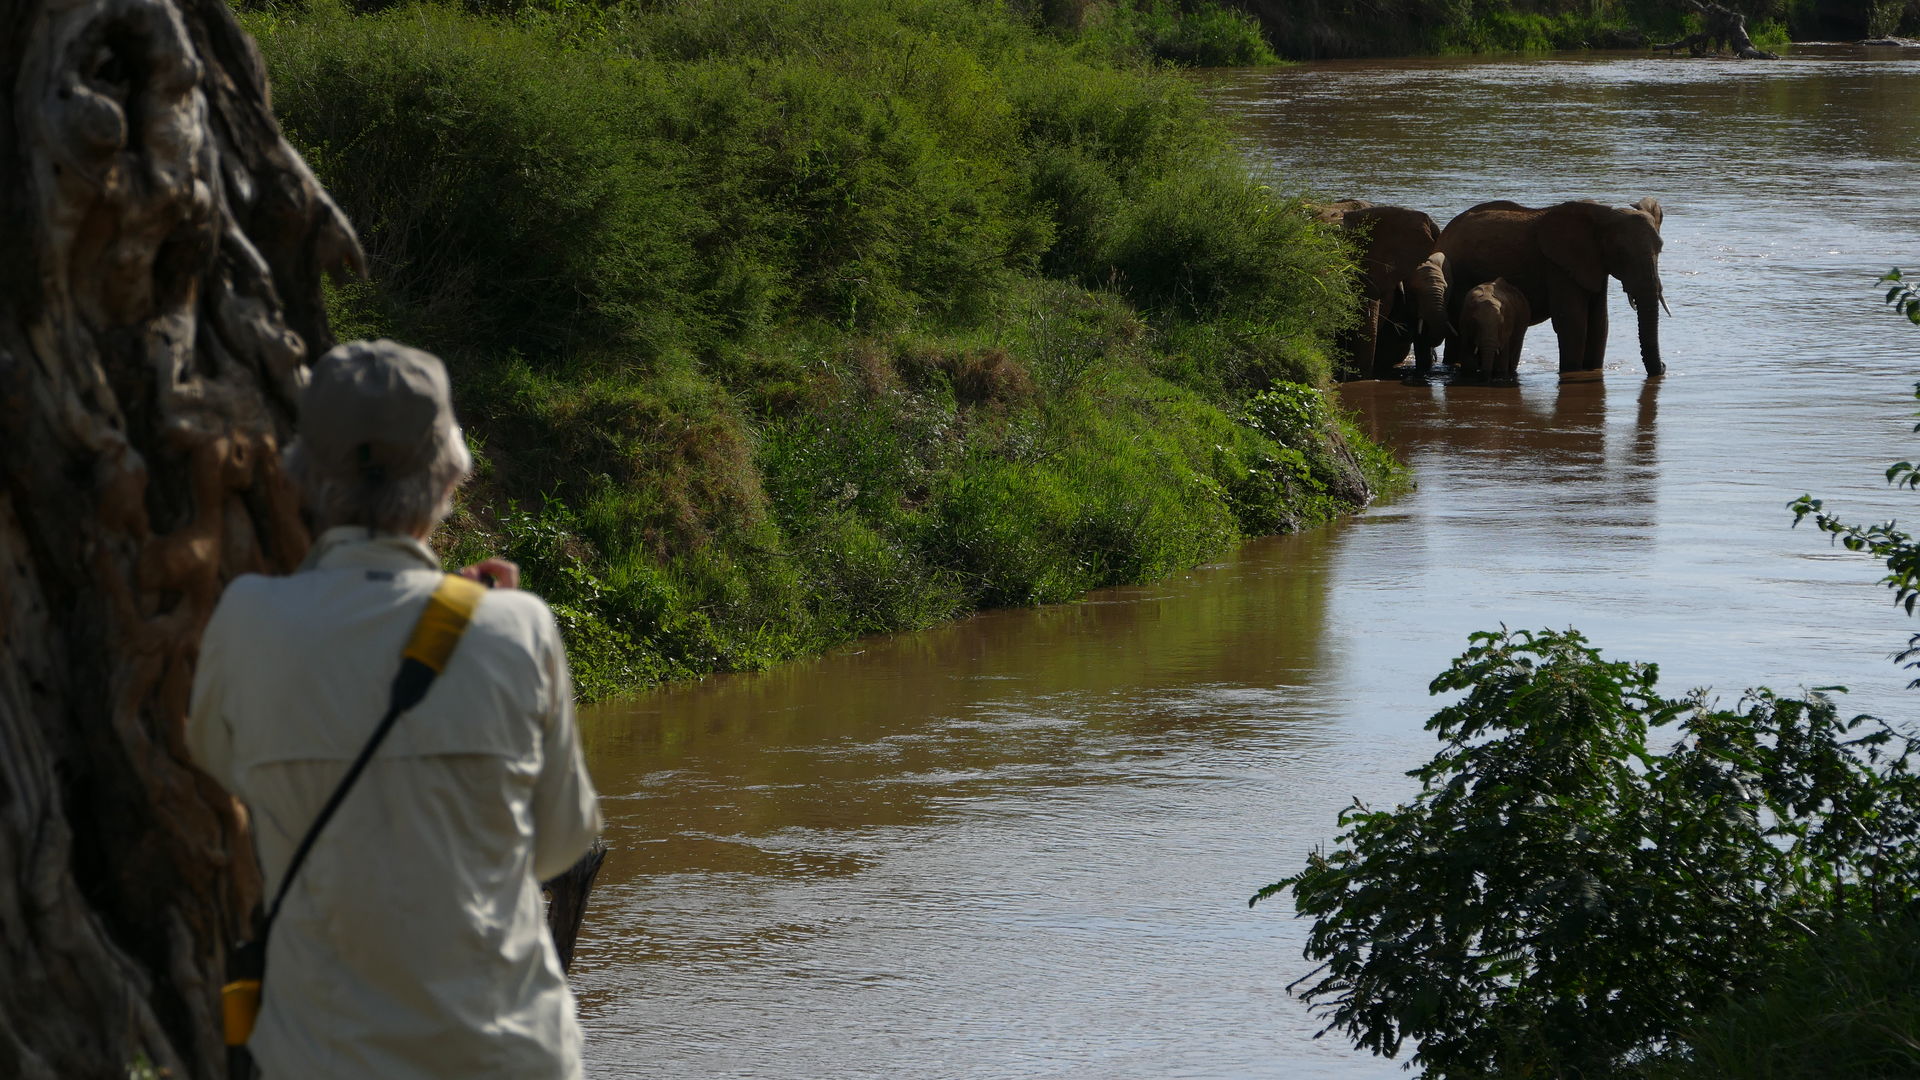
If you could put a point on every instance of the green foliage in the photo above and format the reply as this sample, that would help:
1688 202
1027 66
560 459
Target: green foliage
1886 541
1883 16
663 182
1843 1001
1770 35
1840 1004
1499 30
1560 900
1211 243
1195 33
1325 28
1314 472
1902 295
784 323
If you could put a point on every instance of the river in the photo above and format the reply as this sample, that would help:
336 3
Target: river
1021 845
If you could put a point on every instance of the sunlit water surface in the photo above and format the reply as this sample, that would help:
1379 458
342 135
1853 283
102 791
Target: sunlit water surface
1022 845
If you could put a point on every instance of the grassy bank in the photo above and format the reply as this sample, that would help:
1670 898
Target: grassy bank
774 324
1309 29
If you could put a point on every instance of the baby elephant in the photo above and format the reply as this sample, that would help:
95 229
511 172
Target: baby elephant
1493 323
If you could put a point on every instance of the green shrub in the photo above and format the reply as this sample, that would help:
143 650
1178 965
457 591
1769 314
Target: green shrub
1559 899
1842 1003
1206 244
806 320
1194 33
1306 29
500 206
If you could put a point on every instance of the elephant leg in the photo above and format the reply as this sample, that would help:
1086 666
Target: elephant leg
1423 354
1358 361
1511 359
1390 349
1596 353
1570 325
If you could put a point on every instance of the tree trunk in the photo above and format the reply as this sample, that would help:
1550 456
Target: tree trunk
160 257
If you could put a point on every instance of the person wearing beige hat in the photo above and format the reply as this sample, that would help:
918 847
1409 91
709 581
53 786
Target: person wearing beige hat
410 942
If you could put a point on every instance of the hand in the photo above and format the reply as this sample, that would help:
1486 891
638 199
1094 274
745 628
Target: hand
505 575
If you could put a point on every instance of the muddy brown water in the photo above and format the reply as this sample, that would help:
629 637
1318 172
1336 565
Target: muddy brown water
1021 845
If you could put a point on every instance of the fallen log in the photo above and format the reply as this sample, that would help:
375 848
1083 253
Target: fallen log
1723 27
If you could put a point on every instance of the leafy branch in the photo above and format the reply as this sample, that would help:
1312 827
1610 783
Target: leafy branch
1886 541
1903 296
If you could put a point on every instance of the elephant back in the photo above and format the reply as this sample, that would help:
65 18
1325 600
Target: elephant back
1493 239
1398 239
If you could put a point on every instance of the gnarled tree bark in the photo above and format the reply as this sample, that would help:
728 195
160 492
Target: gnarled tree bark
161 248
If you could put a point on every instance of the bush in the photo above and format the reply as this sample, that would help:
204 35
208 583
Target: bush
1329 28
1208 245
1560 900
1842 1003
805 320
1194 33
500 206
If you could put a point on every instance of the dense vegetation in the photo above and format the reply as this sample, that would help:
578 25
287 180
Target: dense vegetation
1562 898
774 324
1323 28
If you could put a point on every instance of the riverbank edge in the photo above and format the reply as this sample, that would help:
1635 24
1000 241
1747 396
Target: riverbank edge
762 349
1340 472
1303 30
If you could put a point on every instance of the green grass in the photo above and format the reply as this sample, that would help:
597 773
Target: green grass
775 324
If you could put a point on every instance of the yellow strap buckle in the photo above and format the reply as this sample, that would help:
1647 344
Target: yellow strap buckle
239 1008
445 618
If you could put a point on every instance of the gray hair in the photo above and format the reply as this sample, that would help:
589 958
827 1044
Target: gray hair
413 502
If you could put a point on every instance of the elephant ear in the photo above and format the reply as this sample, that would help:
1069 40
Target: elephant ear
1569 236
1652 207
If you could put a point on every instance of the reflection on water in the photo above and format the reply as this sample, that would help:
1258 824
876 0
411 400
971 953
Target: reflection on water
1021 845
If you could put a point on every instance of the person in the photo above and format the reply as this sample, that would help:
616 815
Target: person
412 942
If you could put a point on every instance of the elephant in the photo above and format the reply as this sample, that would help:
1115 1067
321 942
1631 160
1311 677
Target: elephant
1493 323
1428 286
1395 313
1559 258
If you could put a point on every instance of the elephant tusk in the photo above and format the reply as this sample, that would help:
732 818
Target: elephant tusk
1665 308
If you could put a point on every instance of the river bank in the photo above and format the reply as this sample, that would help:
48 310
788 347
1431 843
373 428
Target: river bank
778 325
1326 29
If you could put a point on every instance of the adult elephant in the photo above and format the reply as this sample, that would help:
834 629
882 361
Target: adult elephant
1395 312
1560 258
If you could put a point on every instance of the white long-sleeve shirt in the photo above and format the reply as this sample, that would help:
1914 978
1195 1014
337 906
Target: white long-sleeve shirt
413 942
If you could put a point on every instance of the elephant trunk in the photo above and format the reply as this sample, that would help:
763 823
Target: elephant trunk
1430 298
1648 307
